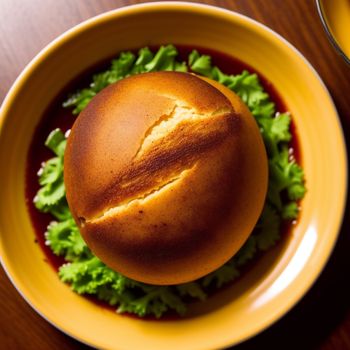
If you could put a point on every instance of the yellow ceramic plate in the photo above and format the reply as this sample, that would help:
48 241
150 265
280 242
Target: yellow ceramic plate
283 275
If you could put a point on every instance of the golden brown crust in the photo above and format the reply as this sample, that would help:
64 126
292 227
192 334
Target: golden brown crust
117 120
166 175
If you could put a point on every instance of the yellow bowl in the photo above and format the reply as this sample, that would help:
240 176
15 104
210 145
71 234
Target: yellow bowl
283 275
335 17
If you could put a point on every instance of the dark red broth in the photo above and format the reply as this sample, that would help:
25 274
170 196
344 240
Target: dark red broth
58 117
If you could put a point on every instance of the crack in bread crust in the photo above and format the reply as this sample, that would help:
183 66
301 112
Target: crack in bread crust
108 212
163 118
168 122
185 137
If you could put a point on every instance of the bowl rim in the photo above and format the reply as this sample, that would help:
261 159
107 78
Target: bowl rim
213 11
328 31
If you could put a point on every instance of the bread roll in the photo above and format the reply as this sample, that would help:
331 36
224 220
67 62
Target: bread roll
166 176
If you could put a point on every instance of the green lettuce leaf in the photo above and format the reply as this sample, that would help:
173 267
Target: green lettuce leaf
56 142
64 239
268 228
52 191
192 289
224 274
125 65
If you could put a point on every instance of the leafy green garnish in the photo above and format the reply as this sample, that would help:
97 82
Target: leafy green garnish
87 274
125 65
226 273
64 239
52 192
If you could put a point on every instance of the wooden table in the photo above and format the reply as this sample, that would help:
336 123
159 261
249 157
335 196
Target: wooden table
321 320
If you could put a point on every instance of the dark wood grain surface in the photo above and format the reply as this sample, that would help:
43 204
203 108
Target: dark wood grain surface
321 320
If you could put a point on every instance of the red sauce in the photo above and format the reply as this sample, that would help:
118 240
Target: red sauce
58 117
